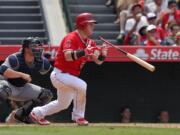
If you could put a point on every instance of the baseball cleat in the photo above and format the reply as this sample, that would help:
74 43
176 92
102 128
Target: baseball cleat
82 122
41 121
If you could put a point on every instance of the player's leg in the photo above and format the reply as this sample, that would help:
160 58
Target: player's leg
63 102
10 118
79 102
35 96
5 90
79 87
65 95
14 106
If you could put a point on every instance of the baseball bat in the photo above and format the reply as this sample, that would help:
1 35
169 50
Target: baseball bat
132 57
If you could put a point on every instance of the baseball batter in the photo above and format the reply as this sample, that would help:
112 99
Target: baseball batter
17 70
75 49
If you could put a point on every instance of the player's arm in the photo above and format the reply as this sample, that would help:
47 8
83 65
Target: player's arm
99 56
71 52
71 55
95 54
10 73
98 61
7 69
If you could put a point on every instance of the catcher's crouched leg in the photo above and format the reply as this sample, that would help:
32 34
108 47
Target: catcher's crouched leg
5 92
22 114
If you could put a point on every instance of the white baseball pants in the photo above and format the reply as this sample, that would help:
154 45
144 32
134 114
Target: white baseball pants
69 88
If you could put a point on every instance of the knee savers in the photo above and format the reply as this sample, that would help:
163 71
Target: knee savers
5 92
44 97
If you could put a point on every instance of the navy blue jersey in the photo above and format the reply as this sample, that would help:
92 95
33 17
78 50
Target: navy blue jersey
17 62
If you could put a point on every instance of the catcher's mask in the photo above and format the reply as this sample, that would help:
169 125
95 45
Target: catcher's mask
35 45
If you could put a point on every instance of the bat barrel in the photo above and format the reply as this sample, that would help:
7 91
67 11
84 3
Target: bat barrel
141 62
132 57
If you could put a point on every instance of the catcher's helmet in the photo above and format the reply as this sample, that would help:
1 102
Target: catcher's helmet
84 18
30 42
34 44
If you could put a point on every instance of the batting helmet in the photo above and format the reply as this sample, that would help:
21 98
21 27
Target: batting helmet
84 18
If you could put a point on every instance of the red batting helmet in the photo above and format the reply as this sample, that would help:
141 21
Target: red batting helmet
84 18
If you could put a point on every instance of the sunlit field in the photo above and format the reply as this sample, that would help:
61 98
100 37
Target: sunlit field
92 129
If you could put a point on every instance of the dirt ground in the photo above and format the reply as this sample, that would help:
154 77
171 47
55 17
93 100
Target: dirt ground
146 125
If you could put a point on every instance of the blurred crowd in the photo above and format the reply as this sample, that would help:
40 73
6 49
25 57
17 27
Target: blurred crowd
148 22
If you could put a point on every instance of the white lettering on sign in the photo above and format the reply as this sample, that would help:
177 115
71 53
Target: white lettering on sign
158 54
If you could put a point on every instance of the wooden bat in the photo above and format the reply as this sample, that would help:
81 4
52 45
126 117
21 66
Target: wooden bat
132 57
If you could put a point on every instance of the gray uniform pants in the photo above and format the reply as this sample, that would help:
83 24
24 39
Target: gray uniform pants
25 93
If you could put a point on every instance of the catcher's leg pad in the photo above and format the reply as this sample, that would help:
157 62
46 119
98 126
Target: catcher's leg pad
44 97
22 114
5 91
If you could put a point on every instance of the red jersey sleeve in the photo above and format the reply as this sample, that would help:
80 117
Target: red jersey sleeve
68 44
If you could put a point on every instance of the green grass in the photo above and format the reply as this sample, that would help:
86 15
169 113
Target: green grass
89 130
